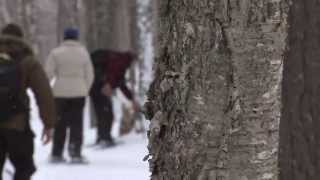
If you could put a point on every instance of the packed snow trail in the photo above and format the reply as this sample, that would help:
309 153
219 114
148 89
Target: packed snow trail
122 162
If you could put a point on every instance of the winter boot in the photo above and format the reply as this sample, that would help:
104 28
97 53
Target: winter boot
57 159
79 160
106 143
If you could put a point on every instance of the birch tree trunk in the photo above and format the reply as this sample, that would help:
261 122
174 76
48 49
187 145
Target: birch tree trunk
215 102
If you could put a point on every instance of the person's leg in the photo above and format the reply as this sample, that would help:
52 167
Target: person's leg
75 117
101 122
3 149
20 151
108 118
60 129
106 122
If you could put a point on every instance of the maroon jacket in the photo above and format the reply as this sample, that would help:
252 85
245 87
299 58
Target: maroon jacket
115 65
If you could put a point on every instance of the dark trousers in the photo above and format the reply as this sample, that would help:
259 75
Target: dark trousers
18 147
104 112
70 116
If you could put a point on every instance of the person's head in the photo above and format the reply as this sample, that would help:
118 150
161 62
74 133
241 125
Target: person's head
12 30
71 34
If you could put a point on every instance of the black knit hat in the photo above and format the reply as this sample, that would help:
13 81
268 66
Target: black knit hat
12 30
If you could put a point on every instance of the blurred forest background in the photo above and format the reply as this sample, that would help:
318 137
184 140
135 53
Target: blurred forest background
115 24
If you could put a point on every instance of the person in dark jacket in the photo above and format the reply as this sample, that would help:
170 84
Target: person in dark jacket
110 68
16 136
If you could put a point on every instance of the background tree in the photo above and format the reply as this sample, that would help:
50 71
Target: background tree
103 23
33 16
111 24
45 27
215 100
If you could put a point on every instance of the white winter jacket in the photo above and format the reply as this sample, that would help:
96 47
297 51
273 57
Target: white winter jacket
71 67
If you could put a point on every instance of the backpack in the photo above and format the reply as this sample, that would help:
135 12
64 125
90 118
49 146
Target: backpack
11 102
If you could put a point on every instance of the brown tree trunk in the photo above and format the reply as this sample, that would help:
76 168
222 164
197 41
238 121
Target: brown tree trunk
111 24
215 100
99 23
300 123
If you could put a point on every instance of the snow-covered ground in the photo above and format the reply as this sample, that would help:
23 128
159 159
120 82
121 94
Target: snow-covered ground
123 162
120 163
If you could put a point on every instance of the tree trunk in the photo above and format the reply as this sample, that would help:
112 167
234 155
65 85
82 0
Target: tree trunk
110 24
68 16
33 16
45 35
215 100
299 135
19 12
99 21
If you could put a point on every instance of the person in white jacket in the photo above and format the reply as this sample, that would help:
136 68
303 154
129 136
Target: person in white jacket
71 68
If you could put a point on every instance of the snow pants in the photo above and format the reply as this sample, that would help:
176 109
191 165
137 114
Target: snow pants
18 147
104 112
70 116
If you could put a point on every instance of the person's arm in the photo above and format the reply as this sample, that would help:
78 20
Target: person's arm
107 90
126 91
40 86
89 74
50 66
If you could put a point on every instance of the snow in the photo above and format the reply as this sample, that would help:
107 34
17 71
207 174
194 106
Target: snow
123 162
120 163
